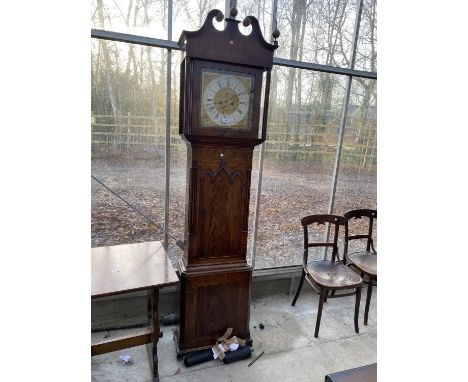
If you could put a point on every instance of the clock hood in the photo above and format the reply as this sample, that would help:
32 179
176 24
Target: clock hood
228 45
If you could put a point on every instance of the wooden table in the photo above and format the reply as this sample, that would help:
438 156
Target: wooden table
129 268
359 374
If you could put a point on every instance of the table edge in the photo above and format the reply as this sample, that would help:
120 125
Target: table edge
115 293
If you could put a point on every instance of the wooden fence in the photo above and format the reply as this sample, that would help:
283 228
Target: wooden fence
302 142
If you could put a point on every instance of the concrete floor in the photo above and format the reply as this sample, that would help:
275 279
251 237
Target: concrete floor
291 351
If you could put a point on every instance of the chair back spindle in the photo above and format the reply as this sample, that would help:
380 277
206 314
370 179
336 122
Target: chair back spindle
359 214
334 220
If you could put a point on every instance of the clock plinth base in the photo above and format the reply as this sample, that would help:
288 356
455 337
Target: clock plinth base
211 303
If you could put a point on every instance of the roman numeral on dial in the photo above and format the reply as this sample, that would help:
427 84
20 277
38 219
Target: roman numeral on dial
223 93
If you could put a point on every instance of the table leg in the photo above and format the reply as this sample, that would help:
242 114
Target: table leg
154 299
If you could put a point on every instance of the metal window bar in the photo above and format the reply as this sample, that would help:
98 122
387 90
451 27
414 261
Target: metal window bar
261 158
339 147
159 43
167 150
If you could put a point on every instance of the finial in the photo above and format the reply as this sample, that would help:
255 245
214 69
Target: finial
246 22
276 33
233 12
220 16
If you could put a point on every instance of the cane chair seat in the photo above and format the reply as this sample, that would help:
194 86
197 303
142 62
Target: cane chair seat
364 261
332 275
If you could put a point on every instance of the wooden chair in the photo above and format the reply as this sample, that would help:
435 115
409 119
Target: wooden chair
364 261
328 275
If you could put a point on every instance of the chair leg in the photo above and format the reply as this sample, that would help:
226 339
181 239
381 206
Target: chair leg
368 298
356 310
299 287
319 313
326 296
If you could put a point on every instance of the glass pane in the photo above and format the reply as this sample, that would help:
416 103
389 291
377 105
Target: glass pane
190 15
128 99
261 9
146 17
303 127
178 171
366 55
357 179
319 31
253 198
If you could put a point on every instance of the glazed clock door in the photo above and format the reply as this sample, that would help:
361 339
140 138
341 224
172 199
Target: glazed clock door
226 99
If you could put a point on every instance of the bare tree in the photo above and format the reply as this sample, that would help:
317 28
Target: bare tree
103 47
194 11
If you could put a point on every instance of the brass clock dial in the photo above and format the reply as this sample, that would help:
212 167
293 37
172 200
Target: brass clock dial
226 99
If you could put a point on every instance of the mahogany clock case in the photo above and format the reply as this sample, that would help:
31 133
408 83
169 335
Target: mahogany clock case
214 273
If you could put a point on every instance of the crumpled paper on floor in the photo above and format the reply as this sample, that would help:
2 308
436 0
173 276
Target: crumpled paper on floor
225 344
127 359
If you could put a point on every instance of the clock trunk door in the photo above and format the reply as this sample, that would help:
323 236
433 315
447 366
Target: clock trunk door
218 217
221 219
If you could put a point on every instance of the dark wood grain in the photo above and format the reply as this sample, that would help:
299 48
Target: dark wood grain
217 213
213 302
229 45
130 267
215 276
124 342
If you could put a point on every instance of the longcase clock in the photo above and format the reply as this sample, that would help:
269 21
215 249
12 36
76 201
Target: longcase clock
221 81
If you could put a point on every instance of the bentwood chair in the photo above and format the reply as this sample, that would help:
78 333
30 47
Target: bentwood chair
328 275
364 261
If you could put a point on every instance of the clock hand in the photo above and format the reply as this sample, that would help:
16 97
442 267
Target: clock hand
233 97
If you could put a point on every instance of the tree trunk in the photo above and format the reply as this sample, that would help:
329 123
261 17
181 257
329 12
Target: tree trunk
296 24
109 76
